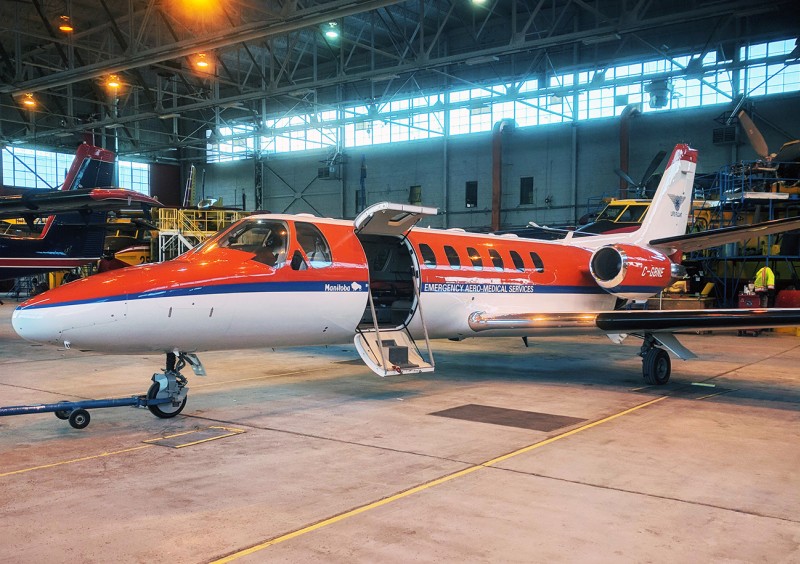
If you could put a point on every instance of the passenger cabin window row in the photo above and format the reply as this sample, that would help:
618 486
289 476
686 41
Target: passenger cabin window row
476 260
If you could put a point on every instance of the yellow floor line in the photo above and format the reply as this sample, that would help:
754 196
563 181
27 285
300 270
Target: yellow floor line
427 485
54 464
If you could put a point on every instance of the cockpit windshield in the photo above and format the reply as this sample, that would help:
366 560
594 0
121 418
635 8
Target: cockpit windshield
266 239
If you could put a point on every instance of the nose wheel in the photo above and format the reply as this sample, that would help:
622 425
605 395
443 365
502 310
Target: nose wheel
169 385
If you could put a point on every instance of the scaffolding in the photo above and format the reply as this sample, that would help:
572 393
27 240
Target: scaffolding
745 193
181 229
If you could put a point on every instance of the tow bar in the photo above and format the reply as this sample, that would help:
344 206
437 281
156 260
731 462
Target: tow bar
76 411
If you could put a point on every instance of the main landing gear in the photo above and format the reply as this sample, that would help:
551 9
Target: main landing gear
166 397
656 365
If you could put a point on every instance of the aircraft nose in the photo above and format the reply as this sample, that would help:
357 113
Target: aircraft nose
32 324
67 315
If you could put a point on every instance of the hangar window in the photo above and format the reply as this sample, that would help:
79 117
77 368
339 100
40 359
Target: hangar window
525 190
517 260
537 262
471 193
497 260
314 244
428 258
475 258
452 257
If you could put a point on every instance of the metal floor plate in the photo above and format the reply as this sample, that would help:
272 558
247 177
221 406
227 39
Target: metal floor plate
195 437
509 417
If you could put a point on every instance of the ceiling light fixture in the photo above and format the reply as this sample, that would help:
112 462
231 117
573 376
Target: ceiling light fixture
65 24
331 30
596 39
481 60
29 101
113 81
201 61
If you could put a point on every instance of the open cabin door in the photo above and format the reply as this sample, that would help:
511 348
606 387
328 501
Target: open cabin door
389 348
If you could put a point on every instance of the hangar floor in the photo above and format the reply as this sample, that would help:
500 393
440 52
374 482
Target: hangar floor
578 461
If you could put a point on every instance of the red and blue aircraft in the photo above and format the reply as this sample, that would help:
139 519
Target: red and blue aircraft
75 228
281 280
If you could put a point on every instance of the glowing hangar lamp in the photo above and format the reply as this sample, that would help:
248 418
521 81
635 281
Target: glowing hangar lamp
28 101
113 81
331 30
202 61
65 24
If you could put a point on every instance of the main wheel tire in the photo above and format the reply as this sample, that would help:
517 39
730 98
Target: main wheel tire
656 367
163 410
79 418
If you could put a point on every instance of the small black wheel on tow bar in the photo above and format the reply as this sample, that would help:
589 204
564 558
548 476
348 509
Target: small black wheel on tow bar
163 410
656 367
63 414
79 418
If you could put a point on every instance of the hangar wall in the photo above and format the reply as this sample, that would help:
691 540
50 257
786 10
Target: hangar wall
570 163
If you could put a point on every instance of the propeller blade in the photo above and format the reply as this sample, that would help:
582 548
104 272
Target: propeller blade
789 153
653 166
754 135
624 176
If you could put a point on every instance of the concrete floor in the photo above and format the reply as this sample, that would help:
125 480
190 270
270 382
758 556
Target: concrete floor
338 465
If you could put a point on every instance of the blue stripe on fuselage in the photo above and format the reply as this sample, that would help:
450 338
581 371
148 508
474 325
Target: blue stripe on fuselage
342 287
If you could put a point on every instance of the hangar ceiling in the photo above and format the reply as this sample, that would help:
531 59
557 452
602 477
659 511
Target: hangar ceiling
272 58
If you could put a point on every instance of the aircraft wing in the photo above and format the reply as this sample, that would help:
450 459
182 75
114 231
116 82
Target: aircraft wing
716 237
52 202
641 321
658 324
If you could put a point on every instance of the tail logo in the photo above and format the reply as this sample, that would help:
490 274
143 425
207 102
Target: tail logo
677 201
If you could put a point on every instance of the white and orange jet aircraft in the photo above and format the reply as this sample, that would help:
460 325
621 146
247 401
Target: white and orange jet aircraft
282 280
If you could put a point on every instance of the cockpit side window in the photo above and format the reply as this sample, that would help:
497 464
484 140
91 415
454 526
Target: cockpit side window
314 244
265 239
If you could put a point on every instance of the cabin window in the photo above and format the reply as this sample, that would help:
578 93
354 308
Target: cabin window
497 260
452 257
526 190
472 193
517 260
475 258
537 262
314 244
428 258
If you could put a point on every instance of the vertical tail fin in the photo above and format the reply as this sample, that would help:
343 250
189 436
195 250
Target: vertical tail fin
672 203
92 167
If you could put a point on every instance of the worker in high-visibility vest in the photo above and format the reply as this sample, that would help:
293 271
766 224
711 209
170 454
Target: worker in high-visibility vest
764 284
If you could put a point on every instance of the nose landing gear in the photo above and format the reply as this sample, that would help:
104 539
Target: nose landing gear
166 397
169 385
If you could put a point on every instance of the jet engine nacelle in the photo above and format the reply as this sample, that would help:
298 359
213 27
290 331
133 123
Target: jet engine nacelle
631 272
